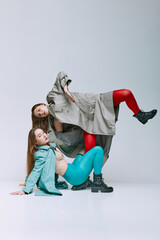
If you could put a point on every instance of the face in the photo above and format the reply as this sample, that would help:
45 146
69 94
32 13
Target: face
41 137
41 111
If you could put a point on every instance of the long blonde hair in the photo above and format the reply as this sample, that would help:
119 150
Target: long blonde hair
40 122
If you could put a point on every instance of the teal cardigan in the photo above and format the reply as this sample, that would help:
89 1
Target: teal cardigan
43 173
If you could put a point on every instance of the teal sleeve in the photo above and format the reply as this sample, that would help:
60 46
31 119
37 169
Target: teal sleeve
34 175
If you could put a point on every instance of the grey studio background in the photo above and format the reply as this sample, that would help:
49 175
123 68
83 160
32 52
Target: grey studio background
102 45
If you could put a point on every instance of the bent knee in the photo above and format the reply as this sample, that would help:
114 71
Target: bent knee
98 149
127 93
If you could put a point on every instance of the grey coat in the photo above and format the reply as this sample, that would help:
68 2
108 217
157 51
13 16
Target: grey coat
93 113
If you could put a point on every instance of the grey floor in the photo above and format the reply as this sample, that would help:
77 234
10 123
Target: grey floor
132 211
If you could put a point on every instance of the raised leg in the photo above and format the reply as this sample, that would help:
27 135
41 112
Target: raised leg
125 95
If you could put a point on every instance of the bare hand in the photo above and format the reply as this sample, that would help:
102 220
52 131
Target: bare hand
68 93
18 193
22 184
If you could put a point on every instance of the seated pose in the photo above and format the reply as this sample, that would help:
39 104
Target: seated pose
77 122
44 161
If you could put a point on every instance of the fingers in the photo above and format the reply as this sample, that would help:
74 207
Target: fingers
14 193
22 193
17 193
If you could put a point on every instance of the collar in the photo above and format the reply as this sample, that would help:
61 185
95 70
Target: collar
46 147
43 147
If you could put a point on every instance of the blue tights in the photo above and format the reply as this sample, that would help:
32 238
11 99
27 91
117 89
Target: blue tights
78 171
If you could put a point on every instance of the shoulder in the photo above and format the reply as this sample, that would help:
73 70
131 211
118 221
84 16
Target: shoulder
40 154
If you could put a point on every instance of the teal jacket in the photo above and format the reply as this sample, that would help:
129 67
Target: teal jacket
43 173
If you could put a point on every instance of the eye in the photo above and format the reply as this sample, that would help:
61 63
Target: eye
39 114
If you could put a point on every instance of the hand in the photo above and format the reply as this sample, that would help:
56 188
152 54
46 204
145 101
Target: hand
22 184
18 193
68 93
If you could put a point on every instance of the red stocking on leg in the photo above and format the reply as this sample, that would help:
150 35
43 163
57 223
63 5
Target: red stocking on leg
90 141
127 96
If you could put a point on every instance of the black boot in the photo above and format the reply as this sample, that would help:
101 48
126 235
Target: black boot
60 184
144 116
98 184
86 184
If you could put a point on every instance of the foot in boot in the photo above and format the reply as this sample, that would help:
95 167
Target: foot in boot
86 184
99 185
143 117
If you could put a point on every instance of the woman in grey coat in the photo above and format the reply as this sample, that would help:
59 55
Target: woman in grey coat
79 121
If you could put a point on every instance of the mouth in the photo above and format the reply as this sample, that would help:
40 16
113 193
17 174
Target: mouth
46 138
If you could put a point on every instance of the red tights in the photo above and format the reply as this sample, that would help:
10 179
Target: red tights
122 95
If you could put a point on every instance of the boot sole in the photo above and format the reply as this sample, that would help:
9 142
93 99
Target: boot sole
98 189
150 118
82 187
144 122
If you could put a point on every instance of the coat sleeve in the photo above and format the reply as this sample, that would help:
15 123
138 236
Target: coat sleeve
35 174
58 87
63 79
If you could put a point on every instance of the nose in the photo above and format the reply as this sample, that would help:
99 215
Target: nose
41 113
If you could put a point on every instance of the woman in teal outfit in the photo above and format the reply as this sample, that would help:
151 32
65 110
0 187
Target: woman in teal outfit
43 161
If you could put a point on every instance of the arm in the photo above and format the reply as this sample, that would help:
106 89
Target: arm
57 125
33 177
68 93
35 174
60 86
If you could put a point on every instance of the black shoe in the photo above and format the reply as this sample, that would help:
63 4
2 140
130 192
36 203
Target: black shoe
143 117
60 184
86 184
98 184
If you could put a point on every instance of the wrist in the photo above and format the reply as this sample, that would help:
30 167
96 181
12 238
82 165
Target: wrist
25 192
